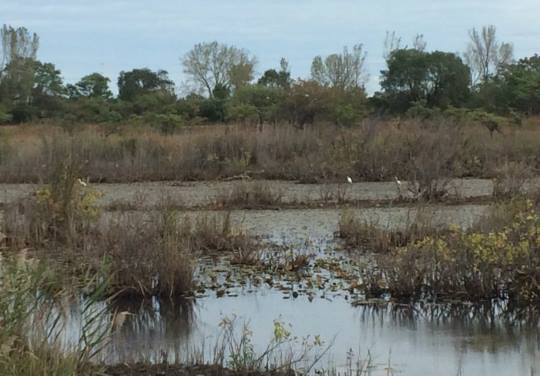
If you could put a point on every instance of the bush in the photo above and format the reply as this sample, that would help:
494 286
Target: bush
469 265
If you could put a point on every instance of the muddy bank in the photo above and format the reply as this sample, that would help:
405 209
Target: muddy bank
141 369
199 194
293 226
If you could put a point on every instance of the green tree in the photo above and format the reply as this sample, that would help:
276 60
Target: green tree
523 85
440 79
48 89
139 82
515 88
94 85
17 64
262 101
47 80
277 79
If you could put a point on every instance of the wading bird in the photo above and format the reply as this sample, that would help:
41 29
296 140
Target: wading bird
349 180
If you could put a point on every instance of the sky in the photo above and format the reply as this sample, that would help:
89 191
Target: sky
108 36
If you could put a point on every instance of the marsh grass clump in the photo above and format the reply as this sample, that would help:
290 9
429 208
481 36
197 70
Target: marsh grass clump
502 263
147 256
511 179
217 233
285 354
248 195
32 320
61 212
369 236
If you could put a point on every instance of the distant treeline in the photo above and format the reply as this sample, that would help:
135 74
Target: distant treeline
483 82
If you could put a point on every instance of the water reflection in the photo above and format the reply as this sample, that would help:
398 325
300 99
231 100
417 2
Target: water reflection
153 329
418 339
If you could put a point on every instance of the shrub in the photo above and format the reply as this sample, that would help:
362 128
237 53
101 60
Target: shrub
503 263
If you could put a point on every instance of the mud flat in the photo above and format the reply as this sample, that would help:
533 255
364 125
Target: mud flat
195 194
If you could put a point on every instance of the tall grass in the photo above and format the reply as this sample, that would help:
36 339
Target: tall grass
426 153
369 236
148 255
32 322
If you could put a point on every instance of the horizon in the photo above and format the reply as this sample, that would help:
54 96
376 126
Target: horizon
104 37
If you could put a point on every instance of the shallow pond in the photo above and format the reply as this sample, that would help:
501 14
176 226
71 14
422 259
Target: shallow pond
421 343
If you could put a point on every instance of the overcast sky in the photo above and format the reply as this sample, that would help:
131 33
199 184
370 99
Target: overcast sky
84 36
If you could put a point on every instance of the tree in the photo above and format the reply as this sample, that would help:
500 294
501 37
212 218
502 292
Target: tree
263 101
523 85
345 70
17 43
94 85
209 65
275 79
393 42
438 78
19 49
515 88
485 54
47 80
48 89
139 82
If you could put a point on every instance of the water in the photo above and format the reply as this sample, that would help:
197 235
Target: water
420 341
413 344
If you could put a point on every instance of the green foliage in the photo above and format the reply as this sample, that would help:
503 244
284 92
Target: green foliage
167 123
261 102
277 79
138 82
516 87
438 78
502 262
93 85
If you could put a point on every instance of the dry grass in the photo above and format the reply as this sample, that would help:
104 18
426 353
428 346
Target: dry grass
249 195
147 255
372 237
419 152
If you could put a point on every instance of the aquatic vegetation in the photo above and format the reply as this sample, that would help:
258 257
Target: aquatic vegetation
31 323
61 212
358 233
468 265
249 195
284 354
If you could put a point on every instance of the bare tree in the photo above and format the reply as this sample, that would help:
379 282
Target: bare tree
485 54
345 70
419 43
212 64
17 44
17 63
392 42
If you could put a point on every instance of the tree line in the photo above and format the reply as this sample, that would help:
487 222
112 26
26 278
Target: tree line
223 87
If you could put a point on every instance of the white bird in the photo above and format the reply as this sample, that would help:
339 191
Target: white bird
82 182
349 180
398 182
